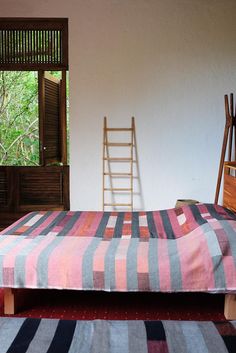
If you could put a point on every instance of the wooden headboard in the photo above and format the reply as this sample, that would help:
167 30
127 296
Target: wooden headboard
229 193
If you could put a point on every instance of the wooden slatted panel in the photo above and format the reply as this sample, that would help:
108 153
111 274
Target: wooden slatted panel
41 187
25 189
33 44
229 194
36 47
52 122
3 188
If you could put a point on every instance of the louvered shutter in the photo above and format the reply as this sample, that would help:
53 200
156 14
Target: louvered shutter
43 188
3 188
51 119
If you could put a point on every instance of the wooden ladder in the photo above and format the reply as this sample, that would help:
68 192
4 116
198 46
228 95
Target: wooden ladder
108 160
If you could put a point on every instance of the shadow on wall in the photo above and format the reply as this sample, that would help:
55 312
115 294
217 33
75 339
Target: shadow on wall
138 193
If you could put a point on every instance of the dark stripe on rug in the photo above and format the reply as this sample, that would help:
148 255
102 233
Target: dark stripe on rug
155 331
24 336
151 225
230 342
70 223
214 213
230 213
53 223
197 215
102 226
227 331
167 224
37 224
135 225
63 337
119 225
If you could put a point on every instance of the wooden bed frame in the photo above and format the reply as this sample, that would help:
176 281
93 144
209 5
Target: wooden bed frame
11 304
229 201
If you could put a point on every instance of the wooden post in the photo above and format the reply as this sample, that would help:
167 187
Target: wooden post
230 127
63 122
9 301
230 306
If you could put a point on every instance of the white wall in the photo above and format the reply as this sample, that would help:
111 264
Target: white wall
168 63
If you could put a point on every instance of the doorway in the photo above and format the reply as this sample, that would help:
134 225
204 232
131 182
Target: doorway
34 171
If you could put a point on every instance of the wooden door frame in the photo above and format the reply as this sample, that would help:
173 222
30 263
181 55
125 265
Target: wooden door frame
12 208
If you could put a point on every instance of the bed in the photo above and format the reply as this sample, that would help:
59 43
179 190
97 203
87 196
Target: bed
70 336
186 249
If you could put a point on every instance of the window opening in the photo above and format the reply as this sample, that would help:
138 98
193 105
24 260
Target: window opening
19 118
34 43
19 123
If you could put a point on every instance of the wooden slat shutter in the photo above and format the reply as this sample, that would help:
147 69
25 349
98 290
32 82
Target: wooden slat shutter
43 188
25 189
7 189
3 188
52 119
33 44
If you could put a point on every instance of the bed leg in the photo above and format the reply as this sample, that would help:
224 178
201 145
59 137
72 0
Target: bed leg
9 301
230 306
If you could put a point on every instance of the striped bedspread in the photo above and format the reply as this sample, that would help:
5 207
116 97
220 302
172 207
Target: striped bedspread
20 335
192 248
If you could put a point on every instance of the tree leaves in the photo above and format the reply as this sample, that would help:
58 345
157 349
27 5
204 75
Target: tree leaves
19 131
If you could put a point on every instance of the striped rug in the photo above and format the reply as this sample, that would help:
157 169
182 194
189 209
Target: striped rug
23 335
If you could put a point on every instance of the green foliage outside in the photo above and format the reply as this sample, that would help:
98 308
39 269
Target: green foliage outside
19 121
19 130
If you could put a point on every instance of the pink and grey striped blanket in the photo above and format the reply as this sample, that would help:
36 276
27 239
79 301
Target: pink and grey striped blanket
192 248
21 335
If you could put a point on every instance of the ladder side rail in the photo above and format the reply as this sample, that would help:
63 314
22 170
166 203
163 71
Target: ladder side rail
132 164
103 161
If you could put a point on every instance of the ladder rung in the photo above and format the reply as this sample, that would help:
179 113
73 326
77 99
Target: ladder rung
118 129
118 174
118 144
118 204
124 159
118 189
